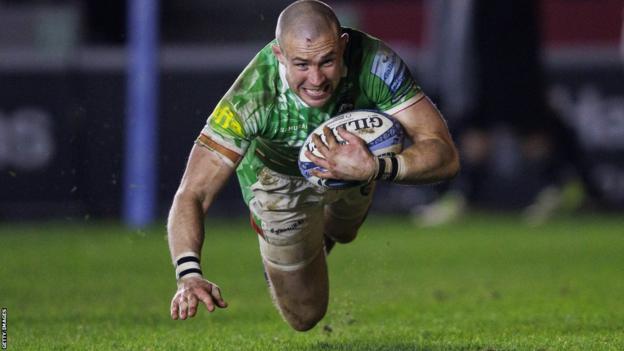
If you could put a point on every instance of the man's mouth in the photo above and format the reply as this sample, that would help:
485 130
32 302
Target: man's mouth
317 93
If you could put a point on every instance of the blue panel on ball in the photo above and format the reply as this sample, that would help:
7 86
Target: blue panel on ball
392 136
307 167
341 184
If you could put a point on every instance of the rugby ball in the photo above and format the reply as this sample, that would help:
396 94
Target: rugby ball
382 133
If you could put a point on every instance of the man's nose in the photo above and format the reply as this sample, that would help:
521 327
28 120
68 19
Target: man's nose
316 76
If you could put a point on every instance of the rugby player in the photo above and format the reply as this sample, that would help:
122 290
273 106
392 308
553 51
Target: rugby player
313 70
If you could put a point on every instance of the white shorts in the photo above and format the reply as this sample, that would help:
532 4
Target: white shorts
288 214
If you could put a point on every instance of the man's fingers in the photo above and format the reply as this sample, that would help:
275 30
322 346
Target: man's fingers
323 175
330 137
349 137
216 293
183 306
186 300
319 161
320 145
175 308
192 305
206 298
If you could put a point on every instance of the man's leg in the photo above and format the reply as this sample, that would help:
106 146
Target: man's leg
301 295
329 244
294 262
287 214
344 216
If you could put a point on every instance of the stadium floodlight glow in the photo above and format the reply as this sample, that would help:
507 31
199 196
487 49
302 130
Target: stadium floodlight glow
140 174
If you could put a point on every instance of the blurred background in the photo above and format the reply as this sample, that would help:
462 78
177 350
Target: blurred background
533 93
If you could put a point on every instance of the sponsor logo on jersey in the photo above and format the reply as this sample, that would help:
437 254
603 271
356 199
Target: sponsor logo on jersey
295 127
389 67
225 118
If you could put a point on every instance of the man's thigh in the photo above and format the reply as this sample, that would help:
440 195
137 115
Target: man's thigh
288 216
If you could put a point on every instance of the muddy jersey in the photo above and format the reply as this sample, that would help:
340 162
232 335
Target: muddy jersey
264 121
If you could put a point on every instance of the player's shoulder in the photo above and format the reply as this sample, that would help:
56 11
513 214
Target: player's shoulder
263 65
266 56
261 72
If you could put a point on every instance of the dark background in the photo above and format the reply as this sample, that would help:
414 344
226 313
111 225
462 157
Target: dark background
62 95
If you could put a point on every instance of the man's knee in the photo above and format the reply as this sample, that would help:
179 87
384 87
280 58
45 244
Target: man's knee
304 320
301 305
341 231
340 227
342 235
301 295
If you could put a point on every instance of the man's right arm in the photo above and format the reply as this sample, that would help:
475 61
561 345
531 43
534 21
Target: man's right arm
205 174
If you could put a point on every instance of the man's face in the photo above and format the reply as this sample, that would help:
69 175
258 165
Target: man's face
313 67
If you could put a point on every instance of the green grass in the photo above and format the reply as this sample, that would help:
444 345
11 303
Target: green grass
485 283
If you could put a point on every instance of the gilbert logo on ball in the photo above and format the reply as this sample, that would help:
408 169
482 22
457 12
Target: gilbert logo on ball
381 132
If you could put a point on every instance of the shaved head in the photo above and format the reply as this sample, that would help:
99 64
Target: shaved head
310 47
306 20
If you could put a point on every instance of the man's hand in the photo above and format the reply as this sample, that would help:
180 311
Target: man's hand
350 161
190 292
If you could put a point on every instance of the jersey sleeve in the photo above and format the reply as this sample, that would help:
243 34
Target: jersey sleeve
240 114
387 81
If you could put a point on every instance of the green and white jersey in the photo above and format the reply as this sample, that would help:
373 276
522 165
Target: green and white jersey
261 119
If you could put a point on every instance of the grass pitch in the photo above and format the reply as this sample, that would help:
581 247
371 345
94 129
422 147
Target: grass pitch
486 283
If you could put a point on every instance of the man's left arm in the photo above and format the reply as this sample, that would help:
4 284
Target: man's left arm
432 157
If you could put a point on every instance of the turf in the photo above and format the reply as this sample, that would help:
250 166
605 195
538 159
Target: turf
485 283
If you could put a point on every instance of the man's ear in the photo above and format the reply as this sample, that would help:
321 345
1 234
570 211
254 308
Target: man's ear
344 39
277 51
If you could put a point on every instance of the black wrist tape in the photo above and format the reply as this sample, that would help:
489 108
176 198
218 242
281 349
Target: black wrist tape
186 265
388 168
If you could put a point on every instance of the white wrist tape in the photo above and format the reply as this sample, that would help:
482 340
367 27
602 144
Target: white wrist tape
402 169
187 265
